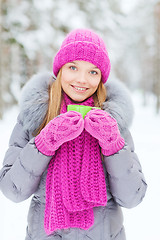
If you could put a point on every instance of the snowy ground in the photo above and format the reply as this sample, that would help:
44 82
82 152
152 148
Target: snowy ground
142 222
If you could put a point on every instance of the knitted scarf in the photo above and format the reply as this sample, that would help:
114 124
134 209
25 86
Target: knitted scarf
75 181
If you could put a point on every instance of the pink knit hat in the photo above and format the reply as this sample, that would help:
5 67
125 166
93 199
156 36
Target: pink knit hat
84 45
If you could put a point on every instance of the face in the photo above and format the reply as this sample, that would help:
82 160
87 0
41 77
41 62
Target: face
80 79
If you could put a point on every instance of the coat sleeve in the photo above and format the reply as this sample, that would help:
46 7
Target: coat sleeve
126 180
22 167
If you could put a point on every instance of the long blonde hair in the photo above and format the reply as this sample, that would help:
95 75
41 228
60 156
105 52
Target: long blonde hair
56 97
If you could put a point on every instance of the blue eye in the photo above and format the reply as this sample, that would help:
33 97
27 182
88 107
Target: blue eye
93 72
73 68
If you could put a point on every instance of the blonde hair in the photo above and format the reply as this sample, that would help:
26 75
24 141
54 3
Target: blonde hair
56 97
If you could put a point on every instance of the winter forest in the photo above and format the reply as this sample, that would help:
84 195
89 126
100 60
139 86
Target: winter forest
31 32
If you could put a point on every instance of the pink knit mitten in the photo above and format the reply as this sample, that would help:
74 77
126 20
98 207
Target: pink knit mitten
103 126
63 128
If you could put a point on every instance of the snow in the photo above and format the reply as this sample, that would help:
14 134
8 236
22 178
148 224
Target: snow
141 222
128 6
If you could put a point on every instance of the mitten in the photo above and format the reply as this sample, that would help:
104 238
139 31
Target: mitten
104 127
63 128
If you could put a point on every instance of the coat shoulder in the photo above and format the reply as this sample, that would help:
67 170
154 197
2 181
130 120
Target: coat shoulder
34 100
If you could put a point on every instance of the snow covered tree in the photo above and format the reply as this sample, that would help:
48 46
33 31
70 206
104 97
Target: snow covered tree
157 55
32 31
6 96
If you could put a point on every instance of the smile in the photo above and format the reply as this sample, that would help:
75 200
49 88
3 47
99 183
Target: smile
79 88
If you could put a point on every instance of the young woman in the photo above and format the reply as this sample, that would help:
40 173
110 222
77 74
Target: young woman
79 169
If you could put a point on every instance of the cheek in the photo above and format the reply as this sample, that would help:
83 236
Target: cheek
65 81
65 78
94 84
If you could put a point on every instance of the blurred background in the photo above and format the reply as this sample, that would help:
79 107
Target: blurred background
31 31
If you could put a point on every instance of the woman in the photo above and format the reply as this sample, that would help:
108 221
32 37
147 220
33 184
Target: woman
79 170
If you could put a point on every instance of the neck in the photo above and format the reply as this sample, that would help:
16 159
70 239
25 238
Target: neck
87 102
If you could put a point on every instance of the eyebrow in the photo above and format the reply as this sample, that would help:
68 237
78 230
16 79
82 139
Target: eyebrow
96 68
72 62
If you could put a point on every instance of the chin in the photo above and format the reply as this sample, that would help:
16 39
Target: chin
78 99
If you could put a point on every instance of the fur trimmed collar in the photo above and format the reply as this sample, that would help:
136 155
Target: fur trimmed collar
34 102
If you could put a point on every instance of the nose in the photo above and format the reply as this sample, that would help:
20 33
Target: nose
81 78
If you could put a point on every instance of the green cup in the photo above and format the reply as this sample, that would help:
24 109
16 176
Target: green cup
81 109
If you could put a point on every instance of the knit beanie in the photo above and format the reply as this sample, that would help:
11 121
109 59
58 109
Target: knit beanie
84 45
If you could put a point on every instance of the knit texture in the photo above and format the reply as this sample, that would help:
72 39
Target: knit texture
75 181
104 127
61 129
84 45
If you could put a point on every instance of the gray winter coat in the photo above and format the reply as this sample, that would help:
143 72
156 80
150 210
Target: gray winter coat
24 167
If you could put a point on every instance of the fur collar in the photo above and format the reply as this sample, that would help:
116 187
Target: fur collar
34 102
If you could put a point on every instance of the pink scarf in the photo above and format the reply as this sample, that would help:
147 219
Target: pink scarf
75 181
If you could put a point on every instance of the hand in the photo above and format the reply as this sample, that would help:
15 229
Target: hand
104 127
63 128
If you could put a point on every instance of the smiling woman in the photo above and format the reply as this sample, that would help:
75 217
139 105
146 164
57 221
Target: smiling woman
71 84
80 170
80 80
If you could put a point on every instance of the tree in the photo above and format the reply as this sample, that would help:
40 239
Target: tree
157 55
31 33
